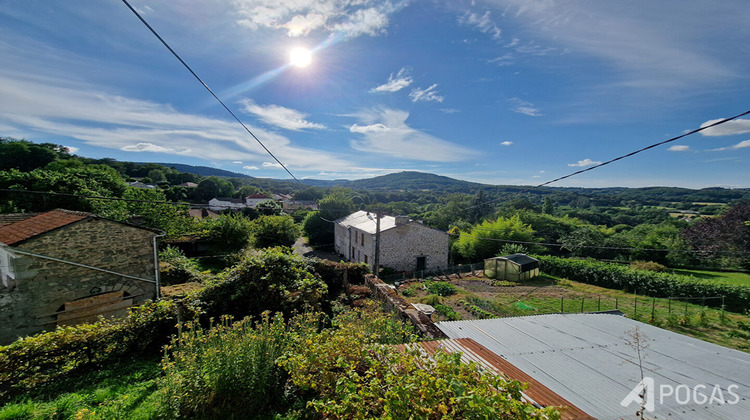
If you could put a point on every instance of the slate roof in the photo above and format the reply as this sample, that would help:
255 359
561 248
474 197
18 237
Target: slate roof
26 228
585 359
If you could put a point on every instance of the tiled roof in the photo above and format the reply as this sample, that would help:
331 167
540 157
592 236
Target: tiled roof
7 219
23 229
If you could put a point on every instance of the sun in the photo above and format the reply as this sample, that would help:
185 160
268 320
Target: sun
300 57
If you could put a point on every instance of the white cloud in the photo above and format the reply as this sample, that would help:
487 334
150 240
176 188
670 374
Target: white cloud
504 60
740 145
527 108
250 168
238 162
280 116
72 150
653 56
679 148
385 131
271 165
585 162
145 147
729 128
481 22
430 94
506 143
450 110
395 83
301 17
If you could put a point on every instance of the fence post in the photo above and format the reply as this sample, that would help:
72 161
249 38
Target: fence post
582 304
670 306
635 305
653 308
562 305
616 307
599 308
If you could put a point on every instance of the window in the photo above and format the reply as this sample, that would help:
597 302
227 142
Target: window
356 236
351 257
363 239
365 258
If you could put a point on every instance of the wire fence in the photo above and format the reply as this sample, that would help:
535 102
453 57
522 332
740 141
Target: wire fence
458 270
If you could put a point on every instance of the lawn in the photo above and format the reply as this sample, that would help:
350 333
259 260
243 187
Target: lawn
729 277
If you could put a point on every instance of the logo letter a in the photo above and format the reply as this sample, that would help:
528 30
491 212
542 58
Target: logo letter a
643 394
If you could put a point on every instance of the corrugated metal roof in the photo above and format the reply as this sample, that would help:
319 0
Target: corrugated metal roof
585 359
537 394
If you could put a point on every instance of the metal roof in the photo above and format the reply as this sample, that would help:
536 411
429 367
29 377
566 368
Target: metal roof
585 359
471 351
520 259
365 221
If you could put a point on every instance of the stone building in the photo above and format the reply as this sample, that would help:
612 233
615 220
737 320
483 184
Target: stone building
63 267
405 245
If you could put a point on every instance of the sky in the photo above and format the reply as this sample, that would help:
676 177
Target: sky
493 91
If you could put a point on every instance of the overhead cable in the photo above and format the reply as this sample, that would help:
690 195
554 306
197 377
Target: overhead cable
153 31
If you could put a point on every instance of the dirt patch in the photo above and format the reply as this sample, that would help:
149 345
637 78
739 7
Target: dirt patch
180 290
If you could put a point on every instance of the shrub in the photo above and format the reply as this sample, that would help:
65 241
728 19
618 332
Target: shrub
440 288
33 361
647 265
649 283
230 368
268 231
176 268
431 300
409 291
447 312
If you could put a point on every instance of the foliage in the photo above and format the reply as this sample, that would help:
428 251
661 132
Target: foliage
230 368
440 288
272 280
509 249
33 361
486 240
176 268
352 377
431 300
409 291
722 236
318 225
447 312
269 231
647 265
230 232
26 156
644 282
317 230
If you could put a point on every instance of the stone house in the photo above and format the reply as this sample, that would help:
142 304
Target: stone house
405 244
255 199
63 267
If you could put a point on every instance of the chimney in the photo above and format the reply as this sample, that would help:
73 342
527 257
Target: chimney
402 220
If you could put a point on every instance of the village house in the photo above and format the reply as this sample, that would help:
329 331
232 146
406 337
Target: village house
405 244
64 267
226 203
255 199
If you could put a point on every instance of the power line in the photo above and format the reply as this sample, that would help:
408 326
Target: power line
153 31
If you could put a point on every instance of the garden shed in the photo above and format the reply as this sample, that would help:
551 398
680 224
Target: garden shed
515 267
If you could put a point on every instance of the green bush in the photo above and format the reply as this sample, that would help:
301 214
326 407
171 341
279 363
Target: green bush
269 231
227 369
409 291
176 268
440 288
648 283
34 361
447 312
647 265
431 300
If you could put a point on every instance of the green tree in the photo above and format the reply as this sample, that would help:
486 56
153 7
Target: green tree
318 225
230 232
487 239
27 156
269 231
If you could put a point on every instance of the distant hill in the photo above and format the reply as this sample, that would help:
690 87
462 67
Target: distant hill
410 180
204 170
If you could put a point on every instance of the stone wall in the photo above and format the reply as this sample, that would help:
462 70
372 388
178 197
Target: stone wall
397 304
29 304
400 247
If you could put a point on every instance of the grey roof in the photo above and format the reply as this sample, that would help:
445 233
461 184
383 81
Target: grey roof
365 221
520 259
585 359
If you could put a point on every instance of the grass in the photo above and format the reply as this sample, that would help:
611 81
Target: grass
728 277
125 390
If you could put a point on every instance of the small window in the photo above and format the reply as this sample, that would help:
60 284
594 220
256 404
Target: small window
356 237
363 239
365 258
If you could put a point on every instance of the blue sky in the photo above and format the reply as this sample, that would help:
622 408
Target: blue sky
496 91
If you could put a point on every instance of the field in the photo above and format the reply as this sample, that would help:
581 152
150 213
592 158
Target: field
741 279
477 297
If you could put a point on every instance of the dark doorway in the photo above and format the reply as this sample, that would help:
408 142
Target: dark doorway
421 263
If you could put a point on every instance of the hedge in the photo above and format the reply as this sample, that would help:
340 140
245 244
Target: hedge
644 282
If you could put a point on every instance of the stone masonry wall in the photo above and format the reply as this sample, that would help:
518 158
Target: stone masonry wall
401 246
43 286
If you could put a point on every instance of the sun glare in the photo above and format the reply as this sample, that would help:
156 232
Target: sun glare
300 57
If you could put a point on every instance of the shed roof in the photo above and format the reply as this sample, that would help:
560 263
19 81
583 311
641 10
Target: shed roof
585 359
520 259
21 230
